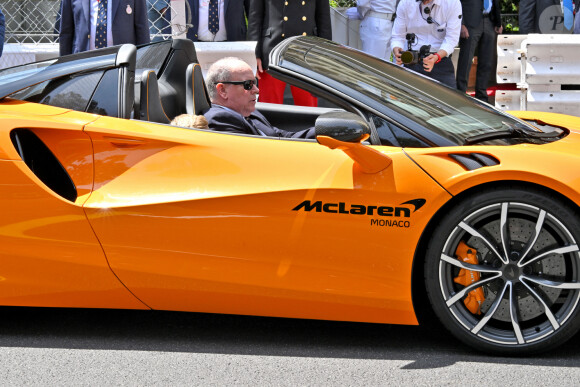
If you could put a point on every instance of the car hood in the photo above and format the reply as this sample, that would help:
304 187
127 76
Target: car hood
552 165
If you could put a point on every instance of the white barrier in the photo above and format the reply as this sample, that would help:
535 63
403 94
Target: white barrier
508 58
344 30
548 69
15 54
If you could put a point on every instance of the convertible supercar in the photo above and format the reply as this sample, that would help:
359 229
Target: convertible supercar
412 194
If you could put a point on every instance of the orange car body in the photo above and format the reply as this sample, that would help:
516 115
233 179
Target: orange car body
174 219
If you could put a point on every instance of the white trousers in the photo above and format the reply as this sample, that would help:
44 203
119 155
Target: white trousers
375 36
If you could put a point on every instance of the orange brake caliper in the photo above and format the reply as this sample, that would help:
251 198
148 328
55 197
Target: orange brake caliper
475 297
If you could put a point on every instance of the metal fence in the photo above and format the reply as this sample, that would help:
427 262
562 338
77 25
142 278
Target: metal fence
36 21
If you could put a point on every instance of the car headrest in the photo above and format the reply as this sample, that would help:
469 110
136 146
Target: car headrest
151 108
196 97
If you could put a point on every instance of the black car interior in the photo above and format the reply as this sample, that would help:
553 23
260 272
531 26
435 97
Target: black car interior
171 79
196 97
177 97
151 108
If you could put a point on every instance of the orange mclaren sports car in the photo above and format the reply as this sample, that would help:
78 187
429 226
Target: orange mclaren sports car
412 195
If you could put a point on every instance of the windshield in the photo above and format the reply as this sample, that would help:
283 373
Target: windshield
440 109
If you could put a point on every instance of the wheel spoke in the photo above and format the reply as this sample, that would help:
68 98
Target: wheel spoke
550 283
490 312
547 310
459 295
559 250
514 314
476 234
504 229
534 238
468 266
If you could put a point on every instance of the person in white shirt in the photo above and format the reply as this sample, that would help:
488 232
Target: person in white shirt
436 23
376 26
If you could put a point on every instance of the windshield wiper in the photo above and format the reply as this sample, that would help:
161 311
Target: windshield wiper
511 133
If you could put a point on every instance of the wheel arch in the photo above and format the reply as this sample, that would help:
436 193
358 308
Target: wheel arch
420 302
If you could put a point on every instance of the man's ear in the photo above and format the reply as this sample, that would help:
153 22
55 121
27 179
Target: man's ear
221 90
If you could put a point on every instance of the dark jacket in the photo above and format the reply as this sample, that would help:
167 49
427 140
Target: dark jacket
271 21
529 14
2 30
473 13
235 19
224 120
130 24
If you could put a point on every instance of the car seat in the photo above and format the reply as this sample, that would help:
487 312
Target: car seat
196 97
151 108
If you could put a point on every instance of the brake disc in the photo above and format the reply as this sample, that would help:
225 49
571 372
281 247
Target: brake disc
521 230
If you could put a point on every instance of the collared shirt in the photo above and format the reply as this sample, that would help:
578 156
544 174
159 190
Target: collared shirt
94 12
445 36
203 33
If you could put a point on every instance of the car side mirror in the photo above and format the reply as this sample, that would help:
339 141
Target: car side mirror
342 126
346 131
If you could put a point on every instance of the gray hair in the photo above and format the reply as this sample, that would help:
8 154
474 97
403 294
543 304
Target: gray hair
220 71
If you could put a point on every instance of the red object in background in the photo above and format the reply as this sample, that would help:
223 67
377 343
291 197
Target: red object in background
272 91
493 89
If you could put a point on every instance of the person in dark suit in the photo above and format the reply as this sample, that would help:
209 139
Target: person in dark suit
272 21
78 24
479 30
530 16
2 30
232 90
232 20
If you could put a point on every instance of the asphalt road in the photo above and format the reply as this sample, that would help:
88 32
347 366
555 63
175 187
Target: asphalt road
107 347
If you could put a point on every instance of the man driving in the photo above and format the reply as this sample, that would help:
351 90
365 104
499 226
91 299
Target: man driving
233 91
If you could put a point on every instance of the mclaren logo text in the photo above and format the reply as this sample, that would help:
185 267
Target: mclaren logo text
355 209
360 209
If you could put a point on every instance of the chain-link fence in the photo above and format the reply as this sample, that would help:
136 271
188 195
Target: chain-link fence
36 21
29 21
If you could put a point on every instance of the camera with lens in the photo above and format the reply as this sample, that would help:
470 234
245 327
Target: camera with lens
413 56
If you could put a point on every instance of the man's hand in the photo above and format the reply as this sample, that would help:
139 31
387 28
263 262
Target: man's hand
429 62
397 53
498 30
464 34
259 68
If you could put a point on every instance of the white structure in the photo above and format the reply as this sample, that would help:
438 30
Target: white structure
545 68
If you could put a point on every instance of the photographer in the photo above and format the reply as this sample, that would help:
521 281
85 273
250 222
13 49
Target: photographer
431 28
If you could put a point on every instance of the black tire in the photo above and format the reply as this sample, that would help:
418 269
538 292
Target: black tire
529 268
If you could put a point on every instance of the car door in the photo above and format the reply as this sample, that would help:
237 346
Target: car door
49 255
204 221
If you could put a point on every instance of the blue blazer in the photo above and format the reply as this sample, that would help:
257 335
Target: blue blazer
127 27
236 12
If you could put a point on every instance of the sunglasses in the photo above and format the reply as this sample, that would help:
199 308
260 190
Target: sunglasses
248 85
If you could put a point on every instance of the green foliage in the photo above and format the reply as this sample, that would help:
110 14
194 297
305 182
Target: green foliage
509 6
509 16
342 3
